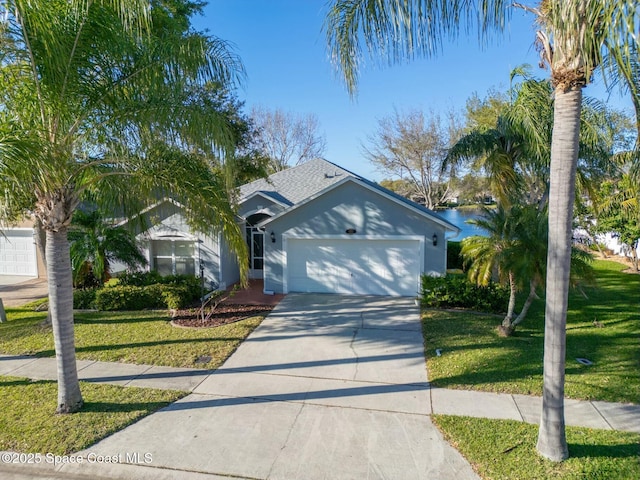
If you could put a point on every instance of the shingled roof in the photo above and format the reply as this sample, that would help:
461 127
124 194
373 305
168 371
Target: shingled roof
296 184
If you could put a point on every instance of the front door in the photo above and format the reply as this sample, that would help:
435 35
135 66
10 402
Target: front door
256 252
255 244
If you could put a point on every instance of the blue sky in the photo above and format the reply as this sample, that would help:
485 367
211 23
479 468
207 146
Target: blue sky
283 48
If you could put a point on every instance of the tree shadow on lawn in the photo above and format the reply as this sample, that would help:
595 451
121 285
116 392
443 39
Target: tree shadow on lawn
23 315
527 379
101 348
122 407
121 317
580 450
17 383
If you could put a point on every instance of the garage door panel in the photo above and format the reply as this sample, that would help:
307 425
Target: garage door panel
321 262
353 266
18 253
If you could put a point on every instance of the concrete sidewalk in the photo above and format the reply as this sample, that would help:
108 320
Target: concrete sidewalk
524 408
325 387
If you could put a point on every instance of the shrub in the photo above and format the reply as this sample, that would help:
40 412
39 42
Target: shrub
191 283
455 291
170 296
126 297
84 299
132 297
454 259
140 279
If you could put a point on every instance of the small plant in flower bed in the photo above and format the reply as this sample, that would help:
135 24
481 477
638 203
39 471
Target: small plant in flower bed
455 291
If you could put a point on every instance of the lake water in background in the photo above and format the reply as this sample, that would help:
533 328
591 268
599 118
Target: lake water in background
458 217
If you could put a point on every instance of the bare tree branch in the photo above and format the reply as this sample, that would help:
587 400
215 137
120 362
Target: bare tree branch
287 139
413 147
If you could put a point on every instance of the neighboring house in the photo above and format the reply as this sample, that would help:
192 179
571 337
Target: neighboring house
18 252
312 228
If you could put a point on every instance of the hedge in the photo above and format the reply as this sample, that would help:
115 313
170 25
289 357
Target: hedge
134 293
455 261
84 298
455 291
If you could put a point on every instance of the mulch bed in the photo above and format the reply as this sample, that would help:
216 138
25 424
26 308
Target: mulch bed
223 315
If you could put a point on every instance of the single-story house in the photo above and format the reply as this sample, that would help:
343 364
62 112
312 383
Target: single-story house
315 227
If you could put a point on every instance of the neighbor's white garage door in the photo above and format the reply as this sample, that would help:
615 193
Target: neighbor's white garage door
18 253
354 266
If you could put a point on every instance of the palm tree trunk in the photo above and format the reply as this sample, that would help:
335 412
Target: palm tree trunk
552 442
41 243
61 307
507 322
525 308
634 256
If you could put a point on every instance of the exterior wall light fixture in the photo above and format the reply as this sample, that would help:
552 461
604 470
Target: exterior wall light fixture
273 237
435 239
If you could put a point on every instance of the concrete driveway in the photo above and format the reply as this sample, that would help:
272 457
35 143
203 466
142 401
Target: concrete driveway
17 290
328 387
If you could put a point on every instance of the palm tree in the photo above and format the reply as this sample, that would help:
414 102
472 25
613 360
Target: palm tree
488 256
515 153
96 244
515 252
107 96
618 211
574 37
498 152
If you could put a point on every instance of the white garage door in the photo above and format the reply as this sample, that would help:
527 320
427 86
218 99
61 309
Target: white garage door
18 253
354 266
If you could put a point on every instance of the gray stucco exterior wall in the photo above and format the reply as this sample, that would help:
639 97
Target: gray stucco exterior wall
168 222
229 271
352 206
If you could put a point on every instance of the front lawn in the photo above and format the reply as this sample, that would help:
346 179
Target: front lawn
500 449
144 337
603 328
28 424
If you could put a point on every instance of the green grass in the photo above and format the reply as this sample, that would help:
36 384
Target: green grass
130 337
505 449
28 424
474 357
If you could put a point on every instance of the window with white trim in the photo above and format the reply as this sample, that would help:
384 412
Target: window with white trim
173 257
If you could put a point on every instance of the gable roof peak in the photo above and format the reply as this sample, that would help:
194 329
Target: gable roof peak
297 183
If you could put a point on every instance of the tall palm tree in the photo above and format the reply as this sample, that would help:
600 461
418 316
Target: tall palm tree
498 152
515 153
574 38
107 97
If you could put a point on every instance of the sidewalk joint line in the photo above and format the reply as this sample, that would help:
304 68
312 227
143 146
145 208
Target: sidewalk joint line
266 399
517 407
601 415
314 377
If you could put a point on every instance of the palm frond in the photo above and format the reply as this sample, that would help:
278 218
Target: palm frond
400 30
